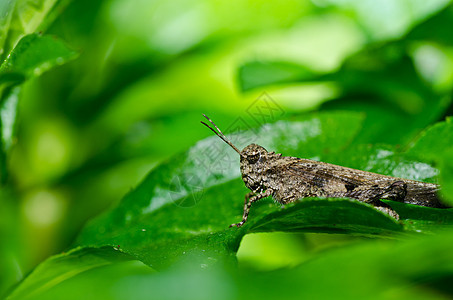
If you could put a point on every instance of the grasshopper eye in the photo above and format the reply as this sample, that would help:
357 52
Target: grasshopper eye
253 158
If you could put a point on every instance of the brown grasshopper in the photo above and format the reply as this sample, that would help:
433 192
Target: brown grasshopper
288 179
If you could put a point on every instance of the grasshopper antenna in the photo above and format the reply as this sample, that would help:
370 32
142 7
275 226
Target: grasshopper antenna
220 134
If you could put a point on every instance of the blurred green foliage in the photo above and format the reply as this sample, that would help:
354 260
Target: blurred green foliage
99 97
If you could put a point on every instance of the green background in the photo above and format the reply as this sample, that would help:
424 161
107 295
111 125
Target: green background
110 188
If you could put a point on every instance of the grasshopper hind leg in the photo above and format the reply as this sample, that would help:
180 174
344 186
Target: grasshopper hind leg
385 208
397 191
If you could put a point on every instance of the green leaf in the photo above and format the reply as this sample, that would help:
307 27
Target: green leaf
435 145
26 17
77 268
418 268
184 206
259 73
182 209
433 29
412 269
190 199
434 142
33 55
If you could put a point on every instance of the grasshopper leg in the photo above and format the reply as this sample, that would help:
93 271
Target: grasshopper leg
249 199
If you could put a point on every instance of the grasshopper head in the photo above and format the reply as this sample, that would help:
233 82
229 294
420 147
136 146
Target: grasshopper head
253 154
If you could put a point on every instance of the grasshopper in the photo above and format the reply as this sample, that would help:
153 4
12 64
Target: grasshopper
288 179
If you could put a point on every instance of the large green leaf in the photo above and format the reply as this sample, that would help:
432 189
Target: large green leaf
33 55
183 208
78 268
411 269
376 269
192 195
